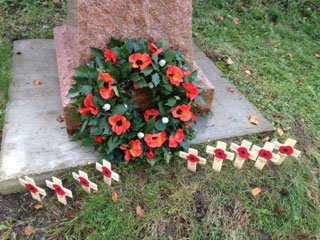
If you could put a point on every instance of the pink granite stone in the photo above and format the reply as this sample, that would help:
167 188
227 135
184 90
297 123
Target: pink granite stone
91 23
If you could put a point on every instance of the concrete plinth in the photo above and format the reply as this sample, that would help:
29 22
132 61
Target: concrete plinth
37 145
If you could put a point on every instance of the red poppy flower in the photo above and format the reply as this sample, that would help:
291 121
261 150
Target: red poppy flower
188 126
243 152
174 74
31 188
109 55
192 90
288 150
135 86
175 140
106 90
133 149
84 182
58 190
88 106
186 72
140 60
119 124
182 112
192 158
150 114
265 154
150 154
219 153
106 172
154 49
155 140
98 139
193 117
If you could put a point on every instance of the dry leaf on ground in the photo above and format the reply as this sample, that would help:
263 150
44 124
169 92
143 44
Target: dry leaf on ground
27 230
310 195
142 180
55 1
289 55
36 82
229 61
280 131
265 139
236 20
279 210
38 206
139 212
314 172
60 118
254 120
248 72
256 191
70 214
114 196
230 89
18 52
317 54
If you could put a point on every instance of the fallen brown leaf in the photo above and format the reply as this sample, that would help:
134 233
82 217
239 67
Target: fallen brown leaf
114 196
172 175
36 82
139 212
55 1
60 118
229 61
256 191
317 54
254 120
248 72
279 210
142 180
18 52
70 214
236 20
38 206
314 172
230 89
280 131
265 139
289 55
28 230
310 195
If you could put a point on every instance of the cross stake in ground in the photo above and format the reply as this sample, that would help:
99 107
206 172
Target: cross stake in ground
286 149
86 184
108 174
264 155
243 153
193 159
35 191
61 192
220 154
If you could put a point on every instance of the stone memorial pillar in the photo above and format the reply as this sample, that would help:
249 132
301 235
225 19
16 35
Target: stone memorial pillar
91 23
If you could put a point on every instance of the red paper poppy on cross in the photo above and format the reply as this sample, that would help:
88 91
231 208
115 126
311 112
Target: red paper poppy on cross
84 182
243 152
109 55
61 192
219 153
265 154
132 149
151 113
182 112
140 60
31 188
192 158
119 124
175 75
58 190
106 90
154 49
88 106
192 90
155 140
288 150
106 172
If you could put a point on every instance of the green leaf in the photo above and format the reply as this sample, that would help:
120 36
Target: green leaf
113 142
155 58
152 161
116 91
147 71
166 84
171 102
200 100
87 142
84 125
161 43
95 131
119 109
86 89
184 145
194 76
161 108
170 56
137 126
160 126
83 71
129 45
156 79
150 125
142 83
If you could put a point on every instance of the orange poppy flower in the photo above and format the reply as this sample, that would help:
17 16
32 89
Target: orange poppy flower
174 74
88 106
175 140
119 124
133 149
182 112
192 90
106 90
154 49
109 55
150 114
155 140
140 60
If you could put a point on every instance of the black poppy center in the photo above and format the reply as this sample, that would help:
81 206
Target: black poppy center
171 74
154 138
243 152
138 62
179 111
119 123
106 84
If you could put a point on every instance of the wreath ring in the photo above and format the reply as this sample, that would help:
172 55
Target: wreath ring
135 100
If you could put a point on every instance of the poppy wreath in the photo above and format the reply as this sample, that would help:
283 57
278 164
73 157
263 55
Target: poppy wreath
103 94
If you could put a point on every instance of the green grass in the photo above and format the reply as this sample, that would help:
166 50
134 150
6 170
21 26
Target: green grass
207 205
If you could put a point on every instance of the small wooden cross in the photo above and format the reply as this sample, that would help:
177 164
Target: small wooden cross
286 149
220 154
61 192
35 191
86 184
243 153
264 155
193 159
108 174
